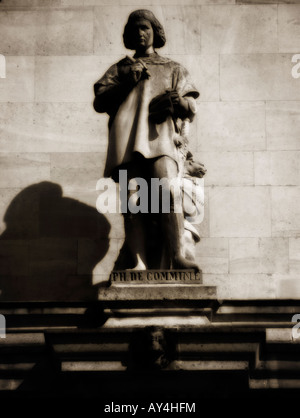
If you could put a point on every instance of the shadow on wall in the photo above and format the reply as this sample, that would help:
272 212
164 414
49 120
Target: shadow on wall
50 246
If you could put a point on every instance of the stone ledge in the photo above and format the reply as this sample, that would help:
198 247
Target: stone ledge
157 292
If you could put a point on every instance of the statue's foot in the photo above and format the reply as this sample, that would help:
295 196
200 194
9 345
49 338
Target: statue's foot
180 262
139 266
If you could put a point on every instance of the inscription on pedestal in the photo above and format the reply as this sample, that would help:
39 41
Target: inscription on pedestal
155 276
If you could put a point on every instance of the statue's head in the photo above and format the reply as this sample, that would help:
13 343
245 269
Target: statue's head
130 31
193 168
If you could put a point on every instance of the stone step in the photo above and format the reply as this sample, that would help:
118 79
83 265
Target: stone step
64 343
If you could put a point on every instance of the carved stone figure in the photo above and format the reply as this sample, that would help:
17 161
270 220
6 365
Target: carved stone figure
147 97
193 203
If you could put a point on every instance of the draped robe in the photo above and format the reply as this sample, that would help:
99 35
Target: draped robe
130 128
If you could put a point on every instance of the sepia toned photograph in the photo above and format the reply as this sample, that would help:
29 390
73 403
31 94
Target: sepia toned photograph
150 203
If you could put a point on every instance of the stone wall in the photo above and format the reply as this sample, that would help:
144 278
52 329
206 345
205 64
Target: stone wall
54 244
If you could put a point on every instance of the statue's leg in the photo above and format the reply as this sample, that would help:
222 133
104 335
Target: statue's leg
135 238
172 222
134 226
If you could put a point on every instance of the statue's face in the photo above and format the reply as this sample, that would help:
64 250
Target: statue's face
142 34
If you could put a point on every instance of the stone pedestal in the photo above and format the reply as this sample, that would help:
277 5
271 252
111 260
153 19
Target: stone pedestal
156 285
157 297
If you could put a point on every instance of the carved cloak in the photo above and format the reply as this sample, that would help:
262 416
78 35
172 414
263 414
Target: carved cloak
130 129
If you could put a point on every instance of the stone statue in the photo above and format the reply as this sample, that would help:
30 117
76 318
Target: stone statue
147 98
193 203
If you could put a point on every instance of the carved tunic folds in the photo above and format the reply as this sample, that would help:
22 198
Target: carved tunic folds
130 129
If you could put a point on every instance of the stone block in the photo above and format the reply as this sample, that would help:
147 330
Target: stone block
277 168
240 212
47 31
115 220
30 3
64 32
227 168
52 127
97 256
14 257
275 335
150 3
258 255
6 196
181 24
242 286
287 286
21 170
285 211
87 197
294 254
59 287
166 321
183 29
77 171
66 217
69 78
162 292
53 257
231 126
283 125
18 32
265 1
93 366
289 27
109 23
257 77
84 208
18 86
19 213
72 127
16 128
65 3
233 30
212 255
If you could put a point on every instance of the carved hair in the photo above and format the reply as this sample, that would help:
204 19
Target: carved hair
158 31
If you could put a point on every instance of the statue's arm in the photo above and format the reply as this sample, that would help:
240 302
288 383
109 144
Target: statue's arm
184 107
111 90
109 97
186 94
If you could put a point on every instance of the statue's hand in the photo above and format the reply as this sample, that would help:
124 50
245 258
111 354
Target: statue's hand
167 104
174 96
181 105
134 72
